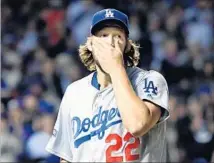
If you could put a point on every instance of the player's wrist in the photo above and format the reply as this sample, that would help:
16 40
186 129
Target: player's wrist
117 71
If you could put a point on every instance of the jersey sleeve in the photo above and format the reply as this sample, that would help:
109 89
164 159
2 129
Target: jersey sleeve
153 88
59 143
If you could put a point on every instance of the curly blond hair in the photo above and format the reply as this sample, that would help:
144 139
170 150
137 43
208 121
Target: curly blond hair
131 58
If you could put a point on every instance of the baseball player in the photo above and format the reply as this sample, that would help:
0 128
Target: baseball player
118 113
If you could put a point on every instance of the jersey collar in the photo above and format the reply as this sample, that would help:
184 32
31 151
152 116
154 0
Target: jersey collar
94 81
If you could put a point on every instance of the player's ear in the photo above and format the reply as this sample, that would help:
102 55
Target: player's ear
128 46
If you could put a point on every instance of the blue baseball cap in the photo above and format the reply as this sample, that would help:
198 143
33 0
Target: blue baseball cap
111 16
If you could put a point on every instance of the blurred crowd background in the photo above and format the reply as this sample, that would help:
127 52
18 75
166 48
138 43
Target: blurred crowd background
39 59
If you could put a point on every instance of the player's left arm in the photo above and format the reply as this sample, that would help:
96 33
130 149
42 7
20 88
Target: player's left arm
138 115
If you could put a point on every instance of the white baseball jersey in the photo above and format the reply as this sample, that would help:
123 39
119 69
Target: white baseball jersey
89 126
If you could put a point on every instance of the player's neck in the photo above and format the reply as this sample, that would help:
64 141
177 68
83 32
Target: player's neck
103 79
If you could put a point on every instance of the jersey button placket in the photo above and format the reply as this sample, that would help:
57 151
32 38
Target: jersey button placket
96 102
94 138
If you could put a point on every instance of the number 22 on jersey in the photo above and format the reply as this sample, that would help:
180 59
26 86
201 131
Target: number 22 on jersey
119 142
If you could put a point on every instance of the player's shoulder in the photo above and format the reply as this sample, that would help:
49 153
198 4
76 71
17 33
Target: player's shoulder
81 84
137 74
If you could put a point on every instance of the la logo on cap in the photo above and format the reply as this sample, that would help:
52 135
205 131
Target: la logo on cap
109 13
